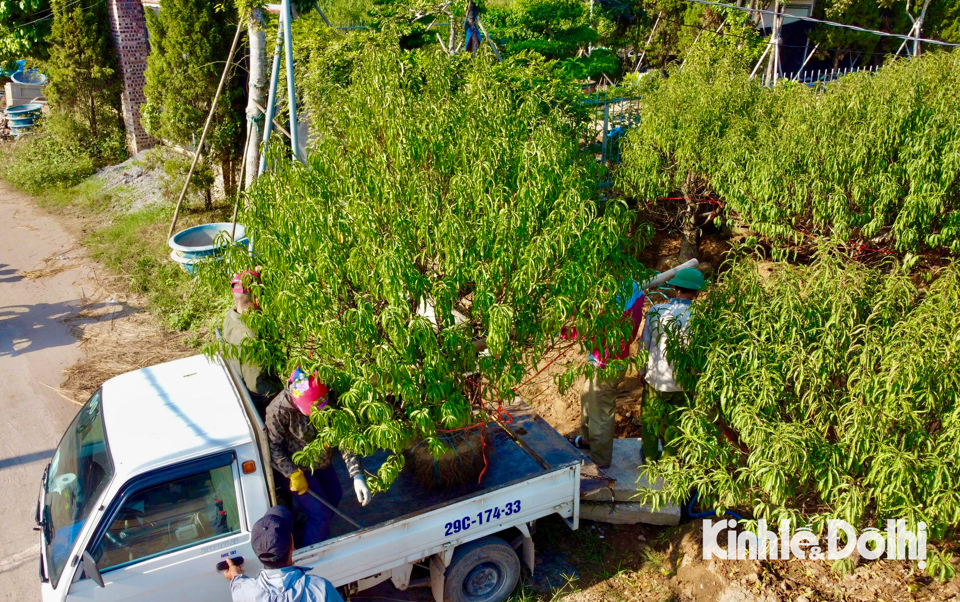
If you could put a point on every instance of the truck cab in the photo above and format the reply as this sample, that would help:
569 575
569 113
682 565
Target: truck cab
151 486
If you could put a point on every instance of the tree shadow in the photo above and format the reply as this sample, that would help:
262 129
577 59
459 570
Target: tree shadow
8 274
29 328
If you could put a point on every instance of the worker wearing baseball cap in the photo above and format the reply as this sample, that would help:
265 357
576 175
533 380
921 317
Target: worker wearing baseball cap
279 581
662 393
259 383
289 430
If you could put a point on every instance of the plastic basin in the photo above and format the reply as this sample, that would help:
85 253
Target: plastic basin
201 241
189 264
21 121
30 77
30 107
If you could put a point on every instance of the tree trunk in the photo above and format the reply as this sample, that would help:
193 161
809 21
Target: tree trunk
689 233
93 118
226 168
256 94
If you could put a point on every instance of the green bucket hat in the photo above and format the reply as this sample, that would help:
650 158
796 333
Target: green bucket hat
688 278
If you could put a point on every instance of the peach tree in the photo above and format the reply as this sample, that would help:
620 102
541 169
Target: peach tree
443 201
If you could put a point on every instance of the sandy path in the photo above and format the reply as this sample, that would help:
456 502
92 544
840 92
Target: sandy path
42 283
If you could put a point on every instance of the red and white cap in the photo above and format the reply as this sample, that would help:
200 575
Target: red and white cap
236 284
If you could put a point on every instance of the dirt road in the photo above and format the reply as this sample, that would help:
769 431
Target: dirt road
42 283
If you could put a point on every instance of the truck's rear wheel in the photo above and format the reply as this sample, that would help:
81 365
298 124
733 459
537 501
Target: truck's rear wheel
485 570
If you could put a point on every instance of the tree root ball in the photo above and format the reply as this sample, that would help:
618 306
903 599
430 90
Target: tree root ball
461 463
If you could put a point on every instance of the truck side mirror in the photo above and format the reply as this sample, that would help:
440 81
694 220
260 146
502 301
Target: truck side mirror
90 569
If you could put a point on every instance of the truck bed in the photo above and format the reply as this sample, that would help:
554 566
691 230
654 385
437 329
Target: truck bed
542 449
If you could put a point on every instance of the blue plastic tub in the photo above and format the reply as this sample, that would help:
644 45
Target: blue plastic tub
17 66
30 77
199 241
16 122
189 264
18 110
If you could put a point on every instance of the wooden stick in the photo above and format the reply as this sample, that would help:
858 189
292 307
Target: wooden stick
489 41
61 394
206 127
760 62
649 39
807 60
243 169
276 123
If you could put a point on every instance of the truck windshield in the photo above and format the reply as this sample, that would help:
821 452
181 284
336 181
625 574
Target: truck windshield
79 472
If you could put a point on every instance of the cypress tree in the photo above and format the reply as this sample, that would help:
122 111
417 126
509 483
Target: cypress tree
189 44
84 82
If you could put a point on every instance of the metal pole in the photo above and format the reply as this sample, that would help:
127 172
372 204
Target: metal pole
206 127
334 508
807 60
272 97
291 89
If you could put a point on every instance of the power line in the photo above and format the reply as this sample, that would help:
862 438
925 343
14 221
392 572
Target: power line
772 43
52 13
830 23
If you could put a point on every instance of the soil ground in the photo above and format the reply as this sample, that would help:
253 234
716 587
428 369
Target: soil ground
599 562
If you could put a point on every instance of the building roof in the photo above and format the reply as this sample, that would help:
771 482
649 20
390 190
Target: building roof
171 412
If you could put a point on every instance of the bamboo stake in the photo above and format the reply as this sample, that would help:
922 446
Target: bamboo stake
760 62
276 123
649 39
243 169
206 127
806 60
489 41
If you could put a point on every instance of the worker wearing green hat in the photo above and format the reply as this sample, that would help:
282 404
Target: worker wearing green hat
662 393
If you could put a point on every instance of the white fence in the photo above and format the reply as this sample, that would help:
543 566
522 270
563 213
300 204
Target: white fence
812 77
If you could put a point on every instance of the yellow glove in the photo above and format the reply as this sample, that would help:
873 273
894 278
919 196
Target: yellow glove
298 482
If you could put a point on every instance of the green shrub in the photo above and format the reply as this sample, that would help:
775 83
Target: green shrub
869 156
823 391
41 161
134 244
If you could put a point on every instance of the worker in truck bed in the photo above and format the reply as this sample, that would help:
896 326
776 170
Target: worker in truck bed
289 430
279 581
262 386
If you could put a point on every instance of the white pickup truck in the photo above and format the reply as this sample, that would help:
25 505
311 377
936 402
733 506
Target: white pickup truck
165 470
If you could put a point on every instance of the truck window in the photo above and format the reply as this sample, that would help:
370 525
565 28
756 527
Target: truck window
174 515
80 471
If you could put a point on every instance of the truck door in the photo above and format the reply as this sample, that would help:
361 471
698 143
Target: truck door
164 534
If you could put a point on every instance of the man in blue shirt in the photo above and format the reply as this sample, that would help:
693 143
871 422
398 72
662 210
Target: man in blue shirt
279 581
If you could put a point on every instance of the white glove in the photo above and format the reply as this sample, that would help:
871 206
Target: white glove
361 489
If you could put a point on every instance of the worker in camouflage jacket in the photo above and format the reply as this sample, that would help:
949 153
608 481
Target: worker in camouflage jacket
289 430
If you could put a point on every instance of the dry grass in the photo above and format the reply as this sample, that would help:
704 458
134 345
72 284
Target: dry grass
58 262
115 337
